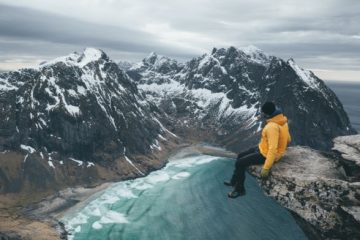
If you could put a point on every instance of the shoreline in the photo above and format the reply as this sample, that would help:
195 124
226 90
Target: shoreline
51 209
54 207
37 215
60 203
44 217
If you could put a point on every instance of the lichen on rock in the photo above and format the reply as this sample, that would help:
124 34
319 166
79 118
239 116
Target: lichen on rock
315 188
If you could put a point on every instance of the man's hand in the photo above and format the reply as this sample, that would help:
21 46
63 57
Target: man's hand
264 173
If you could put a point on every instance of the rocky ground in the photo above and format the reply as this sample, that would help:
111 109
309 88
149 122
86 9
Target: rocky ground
349 149
313 185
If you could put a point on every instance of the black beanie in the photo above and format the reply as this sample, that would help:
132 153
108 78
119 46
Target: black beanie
268 108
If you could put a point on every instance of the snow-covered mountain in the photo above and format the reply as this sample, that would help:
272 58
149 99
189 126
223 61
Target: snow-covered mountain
82 119
80 106
223 91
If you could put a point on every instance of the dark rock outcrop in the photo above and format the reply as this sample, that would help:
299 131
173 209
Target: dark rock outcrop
9 236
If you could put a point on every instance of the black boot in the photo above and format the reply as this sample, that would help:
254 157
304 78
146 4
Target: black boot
237 193
239 190
228 183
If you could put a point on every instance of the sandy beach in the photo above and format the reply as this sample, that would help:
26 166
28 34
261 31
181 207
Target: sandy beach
55 206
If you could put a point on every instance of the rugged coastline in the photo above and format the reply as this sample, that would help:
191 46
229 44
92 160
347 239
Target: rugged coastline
312 185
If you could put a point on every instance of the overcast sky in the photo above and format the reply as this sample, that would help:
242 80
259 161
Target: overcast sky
323 36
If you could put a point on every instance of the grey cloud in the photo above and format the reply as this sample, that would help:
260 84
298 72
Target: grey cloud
33 25
340 24
314 49
317 34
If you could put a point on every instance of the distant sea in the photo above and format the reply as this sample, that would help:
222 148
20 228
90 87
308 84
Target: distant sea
349 95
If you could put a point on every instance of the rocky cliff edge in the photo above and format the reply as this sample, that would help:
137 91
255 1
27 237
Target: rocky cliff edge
321 189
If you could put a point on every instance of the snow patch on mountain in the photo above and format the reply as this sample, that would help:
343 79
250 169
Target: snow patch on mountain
27 148
256 55
165 129
310 80
132 164
157 63
79 162
6 86
171 87
305 75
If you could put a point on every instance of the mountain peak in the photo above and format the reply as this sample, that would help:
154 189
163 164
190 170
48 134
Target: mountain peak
158 63
291 61
251 49
250 53
152 54
78 59
151 58
92 55
256 54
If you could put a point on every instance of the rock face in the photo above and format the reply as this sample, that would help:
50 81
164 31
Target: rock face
315 188
4 236
82 110
349 148
223 91
76 105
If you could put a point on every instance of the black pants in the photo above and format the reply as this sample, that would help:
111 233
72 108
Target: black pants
250 157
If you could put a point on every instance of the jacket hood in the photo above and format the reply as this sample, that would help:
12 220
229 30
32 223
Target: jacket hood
278 119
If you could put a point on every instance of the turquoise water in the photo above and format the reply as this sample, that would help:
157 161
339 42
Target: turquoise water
185 200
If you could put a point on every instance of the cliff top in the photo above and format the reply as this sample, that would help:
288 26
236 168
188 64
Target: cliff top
349 148
319 188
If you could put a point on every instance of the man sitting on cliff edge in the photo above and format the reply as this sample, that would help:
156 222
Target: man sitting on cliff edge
275 137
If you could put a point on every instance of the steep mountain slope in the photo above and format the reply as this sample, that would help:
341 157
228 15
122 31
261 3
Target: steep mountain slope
223 91
76 108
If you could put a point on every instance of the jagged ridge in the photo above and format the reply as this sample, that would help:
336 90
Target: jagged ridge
223 90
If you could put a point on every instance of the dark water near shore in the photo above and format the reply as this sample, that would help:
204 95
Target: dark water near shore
185 200
349 95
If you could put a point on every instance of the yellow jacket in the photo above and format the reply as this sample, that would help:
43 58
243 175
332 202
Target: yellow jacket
275 137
